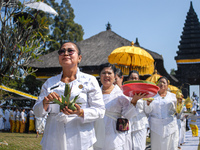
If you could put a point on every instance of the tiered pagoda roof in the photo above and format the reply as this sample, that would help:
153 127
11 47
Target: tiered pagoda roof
188 59
189 47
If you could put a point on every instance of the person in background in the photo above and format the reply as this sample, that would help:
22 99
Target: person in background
119 81
117 105
11 114
27 121
1 118
183 127
133 75
31 121
163 123
193 123
139 123
22 121
119 77
13 119
7 122
179 114
71 130
25 117
17 120
40 124
195 104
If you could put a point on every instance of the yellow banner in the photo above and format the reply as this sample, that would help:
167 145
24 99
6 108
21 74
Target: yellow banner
18 92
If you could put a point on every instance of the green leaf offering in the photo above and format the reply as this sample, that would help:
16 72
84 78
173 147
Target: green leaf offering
138 81
65 100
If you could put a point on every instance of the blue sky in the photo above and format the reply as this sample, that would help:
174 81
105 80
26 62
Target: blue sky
158 24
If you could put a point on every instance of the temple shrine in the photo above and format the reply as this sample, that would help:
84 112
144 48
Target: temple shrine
188 55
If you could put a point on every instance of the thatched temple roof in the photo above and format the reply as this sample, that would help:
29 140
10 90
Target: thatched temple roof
95 51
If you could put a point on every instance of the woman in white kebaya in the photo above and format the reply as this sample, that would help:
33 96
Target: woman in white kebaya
163 123
70 130
117 105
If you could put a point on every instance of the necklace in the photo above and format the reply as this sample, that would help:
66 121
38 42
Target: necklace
163 95
107 90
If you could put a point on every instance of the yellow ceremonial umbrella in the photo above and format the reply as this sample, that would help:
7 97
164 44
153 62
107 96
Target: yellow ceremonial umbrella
154 78
173 89
129 58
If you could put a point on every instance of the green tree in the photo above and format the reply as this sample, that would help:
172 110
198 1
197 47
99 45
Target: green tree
21 39
31 85
64 28
25 34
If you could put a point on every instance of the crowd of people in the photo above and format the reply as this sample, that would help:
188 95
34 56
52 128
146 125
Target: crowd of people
104 118
20 120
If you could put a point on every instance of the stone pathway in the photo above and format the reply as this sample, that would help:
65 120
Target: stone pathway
191 143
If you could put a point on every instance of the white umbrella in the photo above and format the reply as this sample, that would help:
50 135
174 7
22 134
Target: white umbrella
42 6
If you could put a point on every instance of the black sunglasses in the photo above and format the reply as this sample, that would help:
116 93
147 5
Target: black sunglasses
69 51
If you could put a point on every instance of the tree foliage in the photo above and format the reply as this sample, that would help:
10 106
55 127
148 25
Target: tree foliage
63 28
26 34
34 87
20 39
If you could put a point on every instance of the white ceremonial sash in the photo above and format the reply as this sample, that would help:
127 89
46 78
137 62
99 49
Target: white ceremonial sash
112 114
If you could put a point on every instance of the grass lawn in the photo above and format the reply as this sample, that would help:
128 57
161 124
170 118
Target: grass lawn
20 141
24 141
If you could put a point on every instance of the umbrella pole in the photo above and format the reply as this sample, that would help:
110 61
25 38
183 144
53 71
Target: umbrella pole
130 65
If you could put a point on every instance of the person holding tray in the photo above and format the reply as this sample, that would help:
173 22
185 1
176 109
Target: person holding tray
139 123
117 105
163 123
68 129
